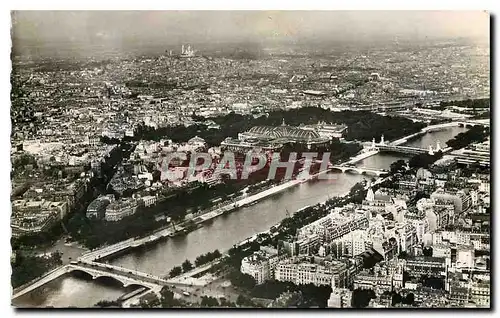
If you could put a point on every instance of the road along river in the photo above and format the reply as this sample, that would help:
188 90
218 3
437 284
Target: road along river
221 233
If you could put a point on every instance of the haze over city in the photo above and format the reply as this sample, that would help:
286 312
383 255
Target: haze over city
124 30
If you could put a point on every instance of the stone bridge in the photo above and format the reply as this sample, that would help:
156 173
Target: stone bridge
95 270
360 170
464 123
123 275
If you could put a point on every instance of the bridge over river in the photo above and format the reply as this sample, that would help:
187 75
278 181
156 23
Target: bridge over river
469 123
396 146
96 270
360 170
129 277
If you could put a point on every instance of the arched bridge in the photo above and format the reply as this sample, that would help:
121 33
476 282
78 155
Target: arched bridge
360 170
98 270
124 275
472 123
394 147
466 123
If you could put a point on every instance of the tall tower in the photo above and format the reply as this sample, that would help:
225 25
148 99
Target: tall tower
438 146
382 142
431 152
373 143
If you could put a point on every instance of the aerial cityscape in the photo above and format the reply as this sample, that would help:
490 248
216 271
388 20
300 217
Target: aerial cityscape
250 159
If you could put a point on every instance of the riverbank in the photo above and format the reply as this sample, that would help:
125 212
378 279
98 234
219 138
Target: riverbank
221 234
127 245
188 277
255 198
196 222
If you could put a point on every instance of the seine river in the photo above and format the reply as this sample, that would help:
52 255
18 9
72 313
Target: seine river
222 233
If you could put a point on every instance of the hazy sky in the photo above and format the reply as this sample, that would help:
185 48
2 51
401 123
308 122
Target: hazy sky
173 27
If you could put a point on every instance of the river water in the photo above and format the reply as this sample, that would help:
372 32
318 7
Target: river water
221 233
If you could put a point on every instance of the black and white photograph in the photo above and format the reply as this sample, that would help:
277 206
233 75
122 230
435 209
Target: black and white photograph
250 159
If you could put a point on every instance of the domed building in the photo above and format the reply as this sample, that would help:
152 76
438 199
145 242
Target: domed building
273 138
287 132
197 143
